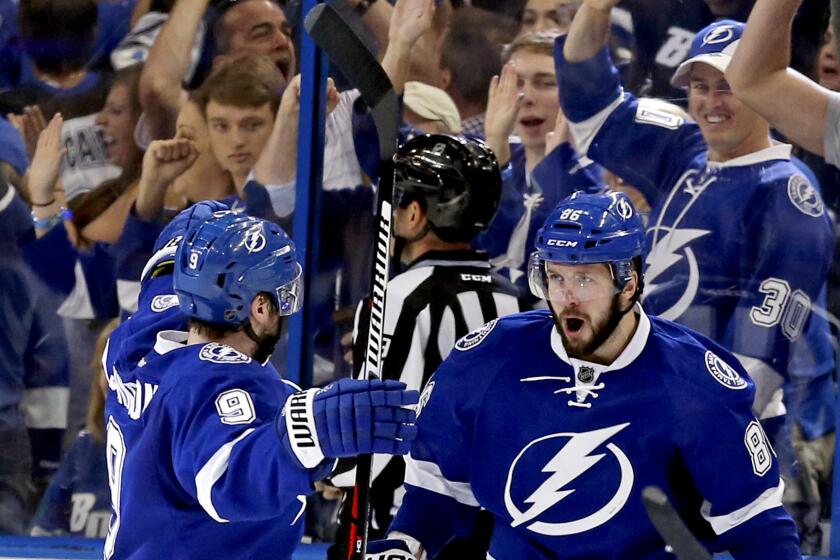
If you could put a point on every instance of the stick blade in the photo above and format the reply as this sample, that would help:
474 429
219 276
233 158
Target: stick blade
671 527
347 52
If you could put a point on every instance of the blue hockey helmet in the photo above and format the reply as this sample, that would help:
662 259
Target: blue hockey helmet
586 229
226 260
163 253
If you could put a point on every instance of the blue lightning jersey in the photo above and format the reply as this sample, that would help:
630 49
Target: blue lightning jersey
195 463
559 449
737 250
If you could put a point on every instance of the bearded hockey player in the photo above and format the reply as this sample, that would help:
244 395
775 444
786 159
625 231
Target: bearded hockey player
555 420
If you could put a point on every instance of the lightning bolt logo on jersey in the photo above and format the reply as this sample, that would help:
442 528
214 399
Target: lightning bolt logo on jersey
567 470
563 481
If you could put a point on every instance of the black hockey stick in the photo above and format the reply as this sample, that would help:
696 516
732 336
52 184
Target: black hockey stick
347 52
670 527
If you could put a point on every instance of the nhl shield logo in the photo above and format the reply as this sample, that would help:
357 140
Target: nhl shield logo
724 373
474 338
804 196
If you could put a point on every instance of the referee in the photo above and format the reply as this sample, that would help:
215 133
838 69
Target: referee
446 191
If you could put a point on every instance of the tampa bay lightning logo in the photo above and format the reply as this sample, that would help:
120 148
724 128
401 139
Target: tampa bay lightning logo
163 302
222 354
591 476
804 196
670 250
720 34
624 209
724 373
474 338
424 397
255 240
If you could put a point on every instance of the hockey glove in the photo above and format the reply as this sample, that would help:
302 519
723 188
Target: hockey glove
389 549
349 418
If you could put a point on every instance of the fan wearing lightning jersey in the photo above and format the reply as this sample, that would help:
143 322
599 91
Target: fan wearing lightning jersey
739 240
201 423
446 191
555 420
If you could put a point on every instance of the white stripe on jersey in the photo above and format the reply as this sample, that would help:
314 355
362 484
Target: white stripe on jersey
427 475
212 471
412 372
505 305
471 311
769 499
446 333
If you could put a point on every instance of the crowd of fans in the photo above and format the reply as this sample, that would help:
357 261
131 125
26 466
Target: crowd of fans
117 114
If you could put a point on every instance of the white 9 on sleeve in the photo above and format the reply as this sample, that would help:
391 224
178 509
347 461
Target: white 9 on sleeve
235 407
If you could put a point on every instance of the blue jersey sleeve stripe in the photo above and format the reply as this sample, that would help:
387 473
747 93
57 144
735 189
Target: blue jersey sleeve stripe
769 499
428 476
211 472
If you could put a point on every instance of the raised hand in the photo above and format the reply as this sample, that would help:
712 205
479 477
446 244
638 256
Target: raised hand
163 162
560 135
503 102
30 124
46 163
410 20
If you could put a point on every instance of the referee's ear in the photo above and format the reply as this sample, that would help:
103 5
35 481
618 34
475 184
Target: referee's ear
414 219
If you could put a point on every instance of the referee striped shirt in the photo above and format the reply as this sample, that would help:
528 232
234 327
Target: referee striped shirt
441 297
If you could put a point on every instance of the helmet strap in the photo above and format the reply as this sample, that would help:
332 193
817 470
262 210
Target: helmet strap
265 343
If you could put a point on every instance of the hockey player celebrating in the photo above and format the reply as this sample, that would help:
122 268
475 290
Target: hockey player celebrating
209 451
555 420
739 240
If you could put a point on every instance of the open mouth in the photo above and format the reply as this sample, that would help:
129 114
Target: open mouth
572 324
531 122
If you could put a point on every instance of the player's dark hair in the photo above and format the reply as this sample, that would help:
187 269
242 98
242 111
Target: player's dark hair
638 266
215 331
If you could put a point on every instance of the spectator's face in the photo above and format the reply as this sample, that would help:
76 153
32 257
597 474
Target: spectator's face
729 127
117 122
260 27
547 15
538 82
828 69
205 173
238 135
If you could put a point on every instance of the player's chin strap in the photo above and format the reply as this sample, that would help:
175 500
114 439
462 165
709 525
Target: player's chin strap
265 343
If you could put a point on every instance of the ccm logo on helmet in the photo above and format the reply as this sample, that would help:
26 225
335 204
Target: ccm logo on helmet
561 243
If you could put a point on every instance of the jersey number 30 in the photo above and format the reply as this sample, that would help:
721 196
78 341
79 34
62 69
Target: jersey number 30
782 306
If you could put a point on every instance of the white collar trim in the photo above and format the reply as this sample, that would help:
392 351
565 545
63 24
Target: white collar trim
776 151
631 351
170 340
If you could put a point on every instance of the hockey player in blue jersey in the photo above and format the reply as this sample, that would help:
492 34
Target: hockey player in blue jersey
739 240
555 420
209 451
